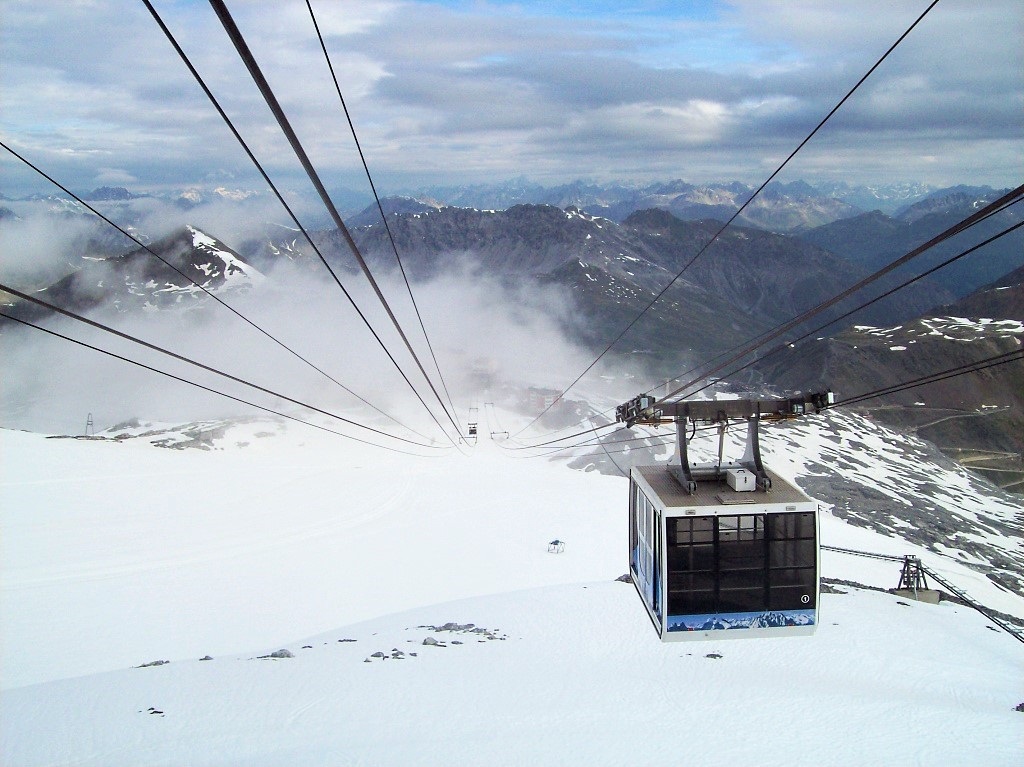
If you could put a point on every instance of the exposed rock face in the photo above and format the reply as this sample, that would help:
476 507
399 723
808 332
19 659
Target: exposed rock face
977 419
139 280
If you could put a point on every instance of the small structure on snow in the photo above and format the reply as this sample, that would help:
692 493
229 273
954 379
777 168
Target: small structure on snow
913 583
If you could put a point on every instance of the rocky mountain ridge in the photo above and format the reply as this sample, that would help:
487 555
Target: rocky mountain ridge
875 239
785 206
137 281
782 207
747 281
976 419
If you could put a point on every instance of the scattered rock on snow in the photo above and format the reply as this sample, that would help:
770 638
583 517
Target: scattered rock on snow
153 663
206 657
452 627
279 654
827 588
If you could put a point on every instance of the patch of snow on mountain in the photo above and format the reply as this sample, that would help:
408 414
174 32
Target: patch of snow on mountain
964 329
234 270
235 195
880 332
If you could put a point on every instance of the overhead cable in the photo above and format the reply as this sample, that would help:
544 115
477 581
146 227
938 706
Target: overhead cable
208 292
736 214
1017 355
206 388
249 60
762 336
971 367
864 305
601 441
376 197
609 456
208 368
966 223
209 94
571 436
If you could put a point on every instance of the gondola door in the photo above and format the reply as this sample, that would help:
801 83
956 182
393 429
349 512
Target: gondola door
645 555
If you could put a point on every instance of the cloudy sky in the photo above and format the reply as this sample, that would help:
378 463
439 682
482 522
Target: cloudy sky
464 91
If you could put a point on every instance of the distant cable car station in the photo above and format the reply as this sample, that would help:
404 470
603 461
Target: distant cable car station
725 548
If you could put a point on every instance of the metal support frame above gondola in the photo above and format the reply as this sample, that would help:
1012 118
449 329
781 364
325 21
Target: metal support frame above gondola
645 409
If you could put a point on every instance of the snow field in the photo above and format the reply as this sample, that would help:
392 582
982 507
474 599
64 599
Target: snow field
117 554
193 547
580 679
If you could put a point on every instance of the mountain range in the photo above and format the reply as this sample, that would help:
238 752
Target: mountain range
749 279
708 300
875 239
781 206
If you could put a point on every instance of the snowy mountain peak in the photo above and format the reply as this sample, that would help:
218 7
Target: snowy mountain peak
233 269
172 271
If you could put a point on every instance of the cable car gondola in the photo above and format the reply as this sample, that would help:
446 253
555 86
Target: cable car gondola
723 549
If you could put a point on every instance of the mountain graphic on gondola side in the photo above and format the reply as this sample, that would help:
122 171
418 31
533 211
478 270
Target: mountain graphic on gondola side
777 618
751 620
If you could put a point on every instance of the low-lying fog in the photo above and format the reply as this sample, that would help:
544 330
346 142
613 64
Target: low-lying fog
490 337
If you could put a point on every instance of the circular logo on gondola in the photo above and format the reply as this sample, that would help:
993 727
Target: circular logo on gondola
805 599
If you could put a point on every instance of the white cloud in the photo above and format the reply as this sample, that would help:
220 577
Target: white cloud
114 176
447 94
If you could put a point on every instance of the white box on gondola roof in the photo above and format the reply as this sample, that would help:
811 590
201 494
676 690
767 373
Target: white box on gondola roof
740 480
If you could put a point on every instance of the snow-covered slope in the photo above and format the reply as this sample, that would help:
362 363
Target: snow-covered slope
291 534
561 675
119 552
